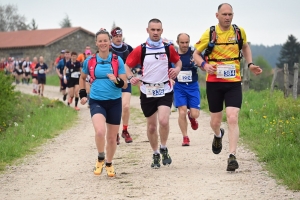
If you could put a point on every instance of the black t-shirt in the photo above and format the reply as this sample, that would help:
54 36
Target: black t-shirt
73 69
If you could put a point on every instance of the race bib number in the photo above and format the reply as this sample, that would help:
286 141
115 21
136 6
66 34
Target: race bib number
156 90
41 71
185 76
35 72
226 71
75 75
27 70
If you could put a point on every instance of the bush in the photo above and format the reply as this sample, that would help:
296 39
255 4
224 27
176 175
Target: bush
7 100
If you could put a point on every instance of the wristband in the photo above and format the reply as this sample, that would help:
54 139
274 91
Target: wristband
130 77
250 64
82 93
65 77
119 83
203 64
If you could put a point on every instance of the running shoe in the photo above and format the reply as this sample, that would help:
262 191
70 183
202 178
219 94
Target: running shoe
232 164
42 95
110 171
34 91
64 97
166 159
98 167
126 136
118 139
186 141
217 143
77 108
194 123
156 161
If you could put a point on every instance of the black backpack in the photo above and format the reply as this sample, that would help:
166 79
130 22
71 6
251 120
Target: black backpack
167 52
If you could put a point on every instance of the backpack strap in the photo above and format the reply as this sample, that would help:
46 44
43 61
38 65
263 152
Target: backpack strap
212 41
143 54
238 36
167 52
115 64
91 67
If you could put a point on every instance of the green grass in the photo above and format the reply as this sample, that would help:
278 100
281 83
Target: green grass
52 80
37 120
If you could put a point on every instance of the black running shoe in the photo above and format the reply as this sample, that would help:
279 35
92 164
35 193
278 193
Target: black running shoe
166 159
232 163
64 97
217 143
156 161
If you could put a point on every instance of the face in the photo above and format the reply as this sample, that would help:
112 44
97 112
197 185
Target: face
67 55
117 40
225 15
27 59
35 60
41 59
154 30
183 43
103 42
62 55
74 58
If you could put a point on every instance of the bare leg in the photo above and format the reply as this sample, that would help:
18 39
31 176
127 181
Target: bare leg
232 114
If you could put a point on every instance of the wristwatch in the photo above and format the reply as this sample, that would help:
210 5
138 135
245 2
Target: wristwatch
129 78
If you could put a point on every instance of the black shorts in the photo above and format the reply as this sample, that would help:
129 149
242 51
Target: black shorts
27 74
19 72
150 105
41 80
63 86
218 92
33 77
72 82
110 109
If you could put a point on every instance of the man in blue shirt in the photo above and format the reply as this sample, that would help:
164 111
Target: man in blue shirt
60 72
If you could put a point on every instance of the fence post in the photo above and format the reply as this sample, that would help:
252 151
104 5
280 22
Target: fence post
286 80
274 79
246 77
295 91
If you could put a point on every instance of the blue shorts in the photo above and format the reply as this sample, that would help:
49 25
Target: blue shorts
128 89
187 95
110 109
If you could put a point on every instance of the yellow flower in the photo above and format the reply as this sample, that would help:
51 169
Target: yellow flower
264 117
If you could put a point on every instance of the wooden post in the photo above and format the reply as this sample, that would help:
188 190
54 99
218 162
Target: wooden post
246 77
286 80
276 70
295 91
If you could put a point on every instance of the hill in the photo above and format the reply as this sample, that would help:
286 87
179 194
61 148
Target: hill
270 53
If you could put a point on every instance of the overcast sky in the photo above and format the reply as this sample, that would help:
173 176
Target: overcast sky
265 22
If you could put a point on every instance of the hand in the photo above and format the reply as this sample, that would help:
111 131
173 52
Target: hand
210 69
65 81
255 69
83 100
134 81
60 76
112 78
173 72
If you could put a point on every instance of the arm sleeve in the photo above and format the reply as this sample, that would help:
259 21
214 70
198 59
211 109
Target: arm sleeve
174 57
134 57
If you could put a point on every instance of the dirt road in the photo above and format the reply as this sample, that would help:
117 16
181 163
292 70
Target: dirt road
62 168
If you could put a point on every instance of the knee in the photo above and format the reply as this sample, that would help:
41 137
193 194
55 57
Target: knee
100 133
111 138
125 107
232 119
164 122
215 123
182 112
152 128
195 114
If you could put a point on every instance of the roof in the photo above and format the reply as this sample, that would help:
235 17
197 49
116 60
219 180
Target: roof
33 38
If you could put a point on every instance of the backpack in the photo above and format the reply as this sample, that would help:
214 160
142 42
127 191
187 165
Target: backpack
167 52
92 63
212 42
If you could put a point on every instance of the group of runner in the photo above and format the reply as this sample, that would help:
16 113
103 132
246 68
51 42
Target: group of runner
167 73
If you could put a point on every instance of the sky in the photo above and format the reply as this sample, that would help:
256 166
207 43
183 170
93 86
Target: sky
265 22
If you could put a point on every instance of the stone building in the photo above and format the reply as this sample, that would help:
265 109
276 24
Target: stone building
47 43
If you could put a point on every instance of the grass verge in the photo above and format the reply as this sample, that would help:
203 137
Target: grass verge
52 80
36 120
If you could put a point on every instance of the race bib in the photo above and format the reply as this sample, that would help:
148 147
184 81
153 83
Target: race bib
226 71
35 72
20 70
185 76
41 71
155 90
75 74
27 70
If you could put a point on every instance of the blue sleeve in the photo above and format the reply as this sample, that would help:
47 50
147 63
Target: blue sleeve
121 69
172 64
85 66
60 64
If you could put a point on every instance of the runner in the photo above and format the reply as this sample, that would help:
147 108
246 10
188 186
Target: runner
87 51
60 70
42 71
121 49
74 67
61 56
156 89
105 101
34 74
17 72
26 70
186 88
223 80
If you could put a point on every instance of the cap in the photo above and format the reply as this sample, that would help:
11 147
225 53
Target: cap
116 31
62 51
87 52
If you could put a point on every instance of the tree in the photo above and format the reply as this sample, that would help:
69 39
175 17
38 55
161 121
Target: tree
113 26
10 20
263 81
289 53
66 22
33 25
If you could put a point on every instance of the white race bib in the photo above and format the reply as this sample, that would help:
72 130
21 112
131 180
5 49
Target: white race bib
35 72
20 70
226 71
41 71
155 90
27 70
75 74
185 76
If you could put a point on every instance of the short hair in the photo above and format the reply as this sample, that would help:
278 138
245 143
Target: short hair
182 34
154 20
220 6
73 53
102 31
67 51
